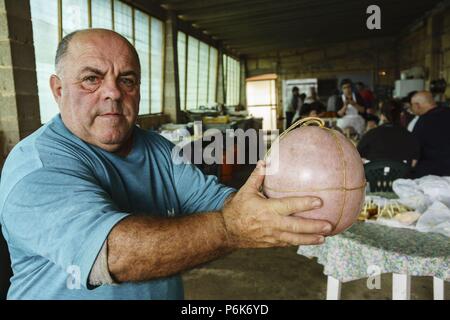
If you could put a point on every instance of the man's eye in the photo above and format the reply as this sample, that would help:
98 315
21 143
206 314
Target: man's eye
91 80
128 82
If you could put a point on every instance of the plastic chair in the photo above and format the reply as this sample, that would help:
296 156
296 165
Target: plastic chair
381 173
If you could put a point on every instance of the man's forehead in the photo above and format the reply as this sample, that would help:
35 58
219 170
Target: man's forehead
101 47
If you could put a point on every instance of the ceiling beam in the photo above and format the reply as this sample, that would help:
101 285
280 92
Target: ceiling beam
328 15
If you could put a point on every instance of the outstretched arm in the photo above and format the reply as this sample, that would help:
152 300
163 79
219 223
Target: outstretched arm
143 248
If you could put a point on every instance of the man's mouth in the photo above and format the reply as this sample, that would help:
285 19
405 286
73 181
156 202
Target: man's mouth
111 114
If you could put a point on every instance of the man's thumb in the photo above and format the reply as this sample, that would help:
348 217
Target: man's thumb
256 179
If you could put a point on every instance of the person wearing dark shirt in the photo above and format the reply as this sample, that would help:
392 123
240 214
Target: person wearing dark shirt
293 106
349 97
313 109
390 141
433 132
407 116
366 94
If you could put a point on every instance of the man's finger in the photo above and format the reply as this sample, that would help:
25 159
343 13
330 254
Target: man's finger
305 226
301 239
290 205
256 179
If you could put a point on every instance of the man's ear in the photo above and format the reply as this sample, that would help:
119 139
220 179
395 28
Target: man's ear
56 87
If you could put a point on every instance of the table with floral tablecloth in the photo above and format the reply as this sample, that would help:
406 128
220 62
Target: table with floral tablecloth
349 256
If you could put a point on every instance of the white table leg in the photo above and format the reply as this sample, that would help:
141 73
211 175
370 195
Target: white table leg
333 288
438 288
401 286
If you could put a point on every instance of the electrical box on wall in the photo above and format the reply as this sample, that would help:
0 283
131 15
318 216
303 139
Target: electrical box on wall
404 87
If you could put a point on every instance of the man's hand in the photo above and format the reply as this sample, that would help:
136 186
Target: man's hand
343 110
252 220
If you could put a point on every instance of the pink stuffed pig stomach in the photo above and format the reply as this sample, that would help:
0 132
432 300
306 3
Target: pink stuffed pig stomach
317 161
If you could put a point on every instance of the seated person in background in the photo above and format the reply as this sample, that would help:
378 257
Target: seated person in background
366 94
349 99
312 97
407 118
332 100
372 123
390 141
315 107
372 119
433 132
350 109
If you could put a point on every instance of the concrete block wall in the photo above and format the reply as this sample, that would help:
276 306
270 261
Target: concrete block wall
328 62
19 104
428 45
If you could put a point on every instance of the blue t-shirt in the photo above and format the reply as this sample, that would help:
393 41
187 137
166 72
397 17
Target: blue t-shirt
60 197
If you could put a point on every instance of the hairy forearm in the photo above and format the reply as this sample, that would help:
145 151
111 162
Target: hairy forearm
144 248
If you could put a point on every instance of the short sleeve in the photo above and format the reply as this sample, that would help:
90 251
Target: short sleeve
198 192
61 215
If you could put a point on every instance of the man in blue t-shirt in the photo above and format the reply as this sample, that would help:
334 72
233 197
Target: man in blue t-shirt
93 207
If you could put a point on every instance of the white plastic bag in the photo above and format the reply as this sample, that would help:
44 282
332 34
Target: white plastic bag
436 188
411 195
435 219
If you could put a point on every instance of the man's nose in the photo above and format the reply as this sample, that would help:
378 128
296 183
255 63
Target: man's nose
111 89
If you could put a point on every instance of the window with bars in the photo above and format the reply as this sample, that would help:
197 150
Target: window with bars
53 19
232 83
197 70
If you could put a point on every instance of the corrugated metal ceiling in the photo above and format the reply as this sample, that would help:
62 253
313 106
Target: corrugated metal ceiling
259 26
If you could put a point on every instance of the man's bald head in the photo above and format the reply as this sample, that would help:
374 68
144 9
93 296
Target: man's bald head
85 34
97 87
422 102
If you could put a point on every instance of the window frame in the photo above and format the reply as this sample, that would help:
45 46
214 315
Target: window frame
184 98
231 68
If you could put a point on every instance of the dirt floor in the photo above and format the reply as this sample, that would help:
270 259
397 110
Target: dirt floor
281 273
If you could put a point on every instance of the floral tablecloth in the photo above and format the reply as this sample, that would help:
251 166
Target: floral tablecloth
354 254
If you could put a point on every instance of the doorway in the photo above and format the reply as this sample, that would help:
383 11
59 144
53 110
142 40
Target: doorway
262 101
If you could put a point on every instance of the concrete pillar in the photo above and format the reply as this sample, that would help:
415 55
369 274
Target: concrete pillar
220 79
171 81
242 83
433 53
19 104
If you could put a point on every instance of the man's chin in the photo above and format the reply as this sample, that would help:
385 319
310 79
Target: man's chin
112 142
